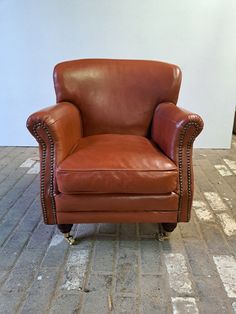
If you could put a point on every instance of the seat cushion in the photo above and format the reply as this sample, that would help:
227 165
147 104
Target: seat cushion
112 163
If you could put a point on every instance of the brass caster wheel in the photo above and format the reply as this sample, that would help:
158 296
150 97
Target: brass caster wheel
161 236
69 238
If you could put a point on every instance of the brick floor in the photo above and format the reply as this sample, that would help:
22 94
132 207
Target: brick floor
118 268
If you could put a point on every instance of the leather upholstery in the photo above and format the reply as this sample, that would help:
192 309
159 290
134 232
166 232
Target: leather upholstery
57 130
116 96
115 147
117 202
169 122
64 124
181 128
112 163
134 216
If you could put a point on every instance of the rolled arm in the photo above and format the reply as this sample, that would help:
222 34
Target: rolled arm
57 129
63 122
174 131
173 128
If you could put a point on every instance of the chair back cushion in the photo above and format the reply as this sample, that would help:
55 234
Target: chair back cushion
116 96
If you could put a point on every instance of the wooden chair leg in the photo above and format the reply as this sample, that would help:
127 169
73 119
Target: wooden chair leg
169 227
65 229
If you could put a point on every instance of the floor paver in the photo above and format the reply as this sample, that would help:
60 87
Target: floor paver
118 268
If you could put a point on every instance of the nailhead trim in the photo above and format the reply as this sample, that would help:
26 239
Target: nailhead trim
180 155
52 161
43 169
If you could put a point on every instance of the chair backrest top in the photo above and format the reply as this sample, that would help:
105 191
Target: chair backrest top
116 96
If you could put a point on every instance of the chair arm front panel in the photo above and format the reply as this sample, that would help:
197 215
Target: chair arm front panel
174 131
57 129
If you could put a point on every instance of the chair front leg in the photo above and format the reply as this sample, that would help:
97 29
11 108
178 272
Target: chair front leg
65 229
169 227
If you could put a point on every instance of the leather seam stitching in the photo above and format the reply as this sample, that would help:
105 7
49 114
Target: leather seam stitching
114 170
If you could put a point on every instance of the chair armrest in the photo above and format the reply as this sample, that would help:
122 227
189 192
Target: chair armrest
57 129
62 123
174 131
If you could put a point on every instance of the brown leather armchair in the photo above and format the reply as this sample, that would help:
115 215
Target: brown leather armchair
115 147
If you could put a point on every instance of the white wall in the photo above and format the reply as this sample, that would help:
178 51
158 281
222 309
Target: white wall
200 36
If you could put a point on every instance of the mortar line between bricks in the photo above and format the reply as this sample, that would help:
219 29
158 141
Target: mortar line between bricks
19 196
24 299
27 290
22 218
12 234
214 186
57 286
189 269
14 184
139 294
4 149
201 237
7 155
7 164
219 224
169 304
25 214
13 148
12 171
24 173
60 275
24 246
102 272
215 224
12 158
17 224
114 265
226 299
14 203
5 277
9 176
165 273
215 189
13 231
117 255
88 269
197 223
26 294
205 200
210 256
